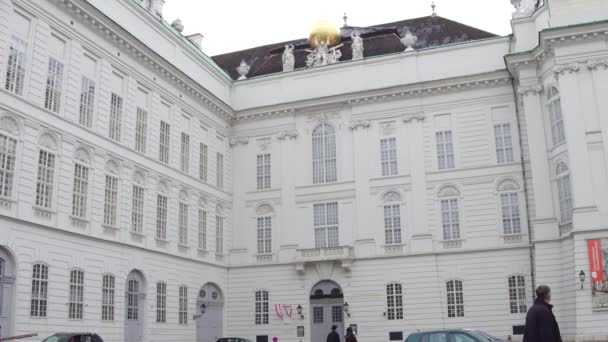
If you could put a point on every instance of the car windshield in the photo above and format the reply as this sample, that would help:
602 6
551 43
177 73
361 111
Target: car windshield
56 338
483 336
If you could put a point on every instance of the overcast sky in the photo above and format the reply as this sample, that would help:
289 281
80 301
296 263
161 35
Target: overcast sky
231 25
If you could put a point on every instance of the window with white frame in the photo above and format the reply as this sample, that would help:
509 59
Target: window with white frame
219 235
54 81
264 235
394 301
504 143
324 158
115 125
261 307
185 153
76 299
517 294
554 106
137 210
455 298
110 202
263 171
87 102
164 142
15 66
45 180
132 300
450 214
317 314
445 150
183 305
336 313
161 302
202 229
392 224
183 224
203 162
141 130
326 224
80 191
161 217
511 221
564 192
220 170
107 297
8 156
40 283
388 156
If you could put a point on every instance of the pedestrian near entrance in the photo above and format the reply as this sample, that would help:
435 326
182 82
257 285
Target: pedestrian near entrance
333 335
350 337
541 325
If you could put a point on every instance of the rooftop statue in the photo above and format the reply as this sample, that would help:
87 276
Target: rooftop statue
288 58
524 8
357 45
323 54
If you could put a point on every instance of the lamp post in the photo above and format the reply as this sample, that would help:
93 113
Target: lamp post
346 309
299 310
581 277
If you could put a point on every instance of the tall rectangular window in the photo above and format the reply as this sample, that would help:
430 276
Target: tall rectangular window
554 105
132 301
110 201
8 155
183 224
220 171
219 235
161 302
137 214
326 224
203 162
264 235
141 129
455 298
517 294
324 154
450 219
511 221
46 176
183 305
336 314
317 314
54 81
161 217
40 283
504 144
565 198
185 153
87 102
263 171
261 307
202 229
80 191
76 300
394 301
445 150
15 66
165 142
107 297
115 117
392 224
388 156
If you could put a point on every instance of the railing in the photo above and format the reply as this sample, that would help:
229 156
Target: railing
326 253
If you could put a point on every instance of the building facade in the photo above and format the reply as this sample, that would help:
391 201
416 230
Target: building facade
147 195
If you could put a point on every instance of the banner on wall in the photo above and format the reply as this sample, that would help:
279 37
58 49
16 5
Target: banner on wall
597 250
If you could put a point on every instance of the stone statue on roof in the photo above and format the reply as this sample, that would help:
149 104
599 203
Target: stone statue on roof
524 8
323 54
289 60
357 45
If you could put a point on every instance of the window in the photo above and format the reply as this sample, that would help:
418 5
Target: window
54 80
132 300
554 105
220 171
8 155
161 217
183 224
261 307
79 195
219 235
15 67
110 201
264 235
324 162
161 302
394 301
87 102
202 229
317 314
141 128
504 144
115 117
326 225
185 153
40 276
511 221
336 313
263 171
450 219
445 150
388 156
46 176
455 298
564 193
517 294
203 162
392 224
107 298
137 214
76 302
183 305
165 138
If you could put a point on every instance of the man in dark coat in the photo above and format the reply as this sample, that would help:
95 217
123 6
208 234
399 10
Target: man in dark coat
350 337
333 336
541 325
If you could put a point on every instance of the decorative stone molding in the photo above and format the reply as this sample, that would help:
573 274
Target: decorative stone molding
322 118
448 191
43 213
202 200
9 124
264 209
388 128
112 167
139 178
452 243
264 144
78 222
391 196
414 116
508 185
354 125
561 69
82 155
524 8
527 90
594 65
49 141
183 195
239 141
6 203
291 134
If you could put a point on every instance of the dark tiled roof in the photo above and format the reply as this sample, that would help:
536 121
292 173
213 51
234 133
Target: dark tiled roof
378 40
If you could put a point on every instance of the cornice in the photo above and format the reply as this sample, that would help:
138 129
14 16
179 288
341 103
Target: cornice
244 140
527 90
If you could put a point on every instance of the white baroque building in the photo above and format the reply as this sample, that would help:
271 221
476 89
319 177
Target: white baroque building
147 195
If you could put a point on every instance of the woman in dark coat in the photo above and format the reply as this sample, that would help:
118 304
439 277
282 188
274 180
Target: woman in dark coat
350 337
541 325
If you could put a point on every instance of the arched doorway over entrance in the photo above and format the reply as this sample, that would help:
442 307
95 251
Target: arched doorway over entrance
326 309
7 291
209 313
135 296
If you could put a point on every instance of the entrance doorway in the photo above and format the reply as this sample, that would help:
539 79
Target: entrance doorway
135 295
327 309
210 313
7 292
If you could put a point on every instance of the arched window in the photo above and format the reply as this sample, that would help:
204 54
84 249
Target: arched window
450 214
394 301
40 284
107 297
161 302
554 106
517 294
76 299
455 298
564 192
261 307
324 154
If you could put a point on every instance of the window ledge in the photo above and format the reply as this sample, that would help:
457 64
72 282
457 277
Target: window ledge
202 252
79 222
183 247
161 243
137 236
45 213
264 257
393 249
6 203
455 243
565 228
513 238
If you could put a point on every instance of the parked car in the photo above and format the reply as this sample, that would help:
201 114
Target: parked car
455 335
73 337
233 339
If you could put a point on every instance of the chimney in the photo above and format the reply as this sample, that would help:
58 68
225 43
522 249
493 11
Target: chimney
196 39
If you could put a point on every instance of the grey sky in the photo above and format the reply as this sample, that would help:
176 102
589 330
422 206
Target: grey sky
231 25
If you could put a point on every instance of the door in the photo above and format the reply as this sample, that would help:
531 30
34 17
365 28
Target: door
327 309
135 303
7 291
210 317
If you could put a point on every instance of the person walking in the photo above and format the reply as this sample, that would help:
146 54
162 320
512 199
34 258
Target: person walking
333 336
541 325
350 337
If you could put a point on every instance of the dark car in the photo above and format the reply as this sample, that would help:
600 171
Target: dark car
233 339
73 337
456 335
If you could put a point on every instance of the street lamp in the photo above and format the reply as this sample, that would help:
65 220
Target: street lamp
581 276
346 307
299 310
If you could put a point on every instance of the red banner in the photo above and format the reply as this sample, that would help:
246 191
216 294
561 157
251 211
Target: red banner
596 264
